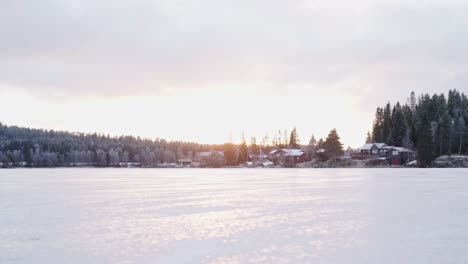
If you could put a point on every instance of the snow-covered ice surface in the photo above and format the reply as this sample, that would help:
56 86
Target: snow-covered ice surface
234 216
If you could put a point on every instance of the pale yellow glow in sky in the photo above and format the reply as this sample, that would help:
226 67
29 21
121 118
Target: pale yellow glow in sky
205 117
205 70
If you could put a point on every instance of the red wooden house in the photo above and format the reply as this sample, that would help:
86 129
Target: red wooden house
288 155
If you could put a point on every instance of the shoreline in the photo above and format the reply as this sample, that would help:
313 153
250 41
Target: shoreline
226 168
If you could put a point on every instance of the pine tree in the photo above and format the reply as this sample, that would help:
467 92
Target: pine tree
230 154
277 140
454 103
444 131
412 102
368 138
408 113
254 149
265 141
320 143
293 139
398 132
447 120
312 141
461 130
312 146
425 144
285 141
332 144
387 124
243 151
377 133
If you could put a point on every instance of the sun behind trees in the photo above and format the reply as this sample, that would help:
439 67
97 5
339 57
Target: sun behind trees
25 147
283 141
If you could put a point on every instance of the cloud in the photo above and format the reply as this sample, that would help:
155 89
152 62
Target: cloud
364 49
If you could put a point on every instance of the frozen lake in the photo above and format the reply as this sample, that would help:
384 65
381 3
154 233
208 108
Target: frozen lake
234 216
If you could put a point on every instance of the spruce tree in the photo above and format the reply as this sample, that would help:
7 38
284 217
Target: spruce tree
398 132
447 118
368 137
425 144
387 124
377 133
243 151
285 142
332 144
454 103
312 141
320 144
412 102
461 130
254 148
443 135
293 139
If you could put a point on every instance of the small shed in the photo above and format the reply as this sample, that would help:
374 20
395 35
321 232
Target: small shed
399 155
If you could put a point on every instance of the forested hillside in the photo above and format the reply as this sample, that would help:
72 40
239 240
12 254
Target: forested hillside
21 147
48 148
433 125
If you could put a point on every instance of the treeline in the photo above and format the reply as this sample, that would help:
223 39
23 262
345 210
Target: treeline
21 146
49 148
238 154
433 125
241 153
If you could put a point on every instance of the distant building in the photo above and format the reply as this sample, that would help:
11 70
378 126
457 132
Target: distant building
373 149
185 162
211 159
82 164
348 152
288 155
399 155
129 164
392 155
258 157
319 151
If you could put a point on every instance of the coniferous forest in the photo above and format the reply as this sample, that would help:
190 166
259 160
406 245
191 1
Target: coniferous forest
25 147
48 148
433 125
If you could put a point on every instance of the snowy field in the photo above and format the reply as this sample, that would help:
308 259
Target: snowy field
234 216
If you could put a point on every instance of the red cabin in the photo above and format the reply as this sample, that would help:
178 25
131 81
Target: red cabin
289 155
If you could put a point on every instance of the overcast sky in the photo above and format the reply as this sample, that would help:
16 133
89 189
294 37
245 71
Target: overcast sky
203 70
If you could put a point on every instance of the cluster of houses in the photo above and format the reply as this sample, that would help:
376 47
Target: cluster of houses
387 155
278 156
392 155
